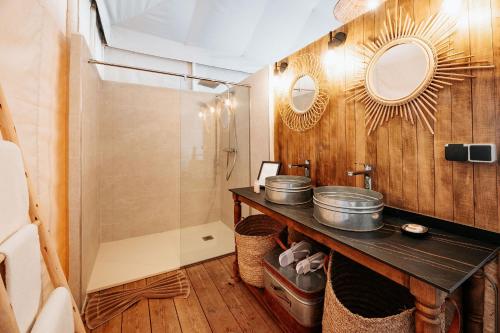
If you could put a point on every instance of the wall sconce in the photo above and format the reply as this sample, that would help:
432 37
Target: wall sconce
280 67
336 40
333 59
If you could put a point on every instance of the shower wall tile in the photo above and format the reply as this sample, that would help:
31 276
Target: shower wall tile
241 173
139 136
200 174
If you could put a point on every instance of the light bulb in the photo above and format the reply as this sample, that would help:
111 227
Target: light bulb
227 102
212 109
452 8
372 4
200 114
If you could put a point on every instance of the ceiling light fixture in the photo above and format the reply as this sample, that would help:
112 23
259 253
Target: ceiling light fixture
347 10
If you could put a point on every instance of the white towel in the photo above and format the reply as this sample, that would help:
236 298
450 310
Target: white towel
23 274
14 199
56 315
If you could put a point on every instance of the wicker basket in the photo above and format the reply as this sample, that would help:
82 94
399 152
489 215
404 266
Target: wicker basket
254 238
360 300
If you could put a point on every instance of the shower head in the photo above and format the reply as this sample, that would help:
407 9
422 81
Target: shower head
209 84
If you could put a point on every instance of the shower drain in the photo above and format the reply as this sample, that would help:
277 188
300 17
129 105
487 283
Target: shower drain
207 238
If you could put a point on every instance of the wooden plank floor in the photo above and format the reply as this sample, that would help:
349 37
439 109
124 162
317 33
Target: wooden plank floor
215 304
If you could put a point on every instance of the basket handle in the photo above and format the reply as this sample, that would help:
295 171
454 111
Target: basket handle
456 323
280 243
326 263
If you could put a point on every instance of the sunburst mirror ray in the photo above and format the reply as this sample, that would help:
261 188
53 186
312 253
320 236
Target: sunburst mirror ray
443 66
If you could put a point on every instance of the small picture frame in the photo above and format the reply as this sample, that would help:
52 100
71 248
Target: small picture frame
268 169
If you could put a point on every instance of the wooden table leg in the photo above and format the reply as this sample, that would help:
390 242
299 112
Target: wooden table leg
474 303
237 218
428 303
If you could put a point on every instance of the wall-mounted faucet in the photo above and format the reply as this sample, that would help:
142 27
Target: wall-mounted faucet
306 166
366 172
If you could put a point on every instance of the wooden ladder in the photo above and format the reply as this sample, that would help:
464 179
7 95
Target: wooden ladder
8 322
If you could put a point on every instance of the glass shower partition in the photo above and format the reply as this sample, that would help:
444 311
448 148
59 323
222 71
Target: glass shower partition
215 156
135 198
158 155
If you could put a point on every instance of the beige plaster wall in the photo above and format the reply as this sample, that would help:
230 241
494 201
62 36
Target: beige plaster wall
34 77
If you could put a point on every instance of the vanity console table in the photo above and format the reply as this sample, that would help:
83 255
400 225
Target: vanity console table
431 268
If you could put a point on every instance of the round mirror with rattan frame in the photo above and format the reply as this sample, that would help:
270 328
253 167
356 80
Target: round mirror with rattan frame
294 118
445 66
430 59
292 89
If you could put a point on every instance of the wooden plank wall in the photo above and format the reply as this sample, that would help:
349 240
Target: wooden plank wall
410 169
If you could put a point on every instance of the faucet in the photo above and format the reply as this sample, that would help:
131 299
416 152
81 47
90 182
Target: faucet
306 166
366 172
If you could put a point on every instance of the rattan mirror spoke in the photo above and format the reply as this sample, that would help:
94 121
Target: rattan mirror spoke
304 66
440 66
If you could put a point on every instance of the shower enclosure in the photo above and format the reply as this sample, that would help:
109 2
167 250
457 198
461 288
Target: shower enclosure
152 171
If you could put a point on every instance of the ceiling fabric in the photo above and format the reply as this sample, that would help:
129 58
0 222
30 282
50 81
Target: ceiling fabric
237 34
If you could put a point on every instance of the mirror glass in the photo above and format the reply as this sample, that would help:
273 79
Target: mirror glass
399 72
303 92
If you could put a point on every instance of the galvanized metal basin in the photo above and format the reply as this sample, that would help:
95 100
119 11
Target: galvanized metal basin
348 208
288 190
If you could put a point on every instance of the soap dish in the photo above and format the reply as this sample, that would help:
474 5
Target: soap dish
415 230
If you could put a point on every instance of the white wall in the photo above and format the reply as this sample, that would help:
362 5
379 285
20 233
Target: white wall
259 116
260 113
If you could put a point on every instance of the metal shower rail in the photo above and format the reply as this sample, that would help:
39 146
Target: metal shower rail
186 76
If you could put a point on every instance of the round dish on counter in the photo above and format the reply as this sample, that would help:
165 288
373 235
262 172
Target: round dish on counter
414 230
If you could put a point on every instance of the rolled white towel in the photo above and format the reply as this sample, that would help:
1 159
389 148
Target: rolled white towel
56 315
23 274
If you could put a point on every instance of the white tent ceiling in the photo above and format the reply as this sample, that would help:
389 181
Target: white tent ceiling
242 35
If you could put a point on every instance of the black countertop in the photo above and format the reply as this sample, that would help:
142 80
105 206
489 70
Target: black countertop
445 258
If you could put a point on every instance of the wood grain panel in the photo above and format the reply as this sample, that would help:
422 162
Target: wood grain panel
187 314
218 316
371 140
496 56
483 109
240 304
359 108
409 164
266 316
443 187
409 149
382 134
163 315
190 314
461 123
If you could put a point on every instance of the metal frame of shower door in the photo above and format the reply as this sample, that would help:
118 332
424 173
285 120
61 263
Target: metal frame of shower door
156 71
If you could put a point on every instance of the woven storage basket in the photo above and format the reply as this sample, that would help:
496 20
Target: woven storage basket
254 238
360 300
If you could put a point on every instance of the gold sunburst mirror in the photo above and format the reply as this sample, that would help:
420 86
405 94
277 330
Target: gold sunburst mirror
303 103
406 67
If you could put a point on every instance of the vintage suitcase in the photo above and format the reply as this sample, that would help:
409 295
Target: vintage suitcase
300 295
